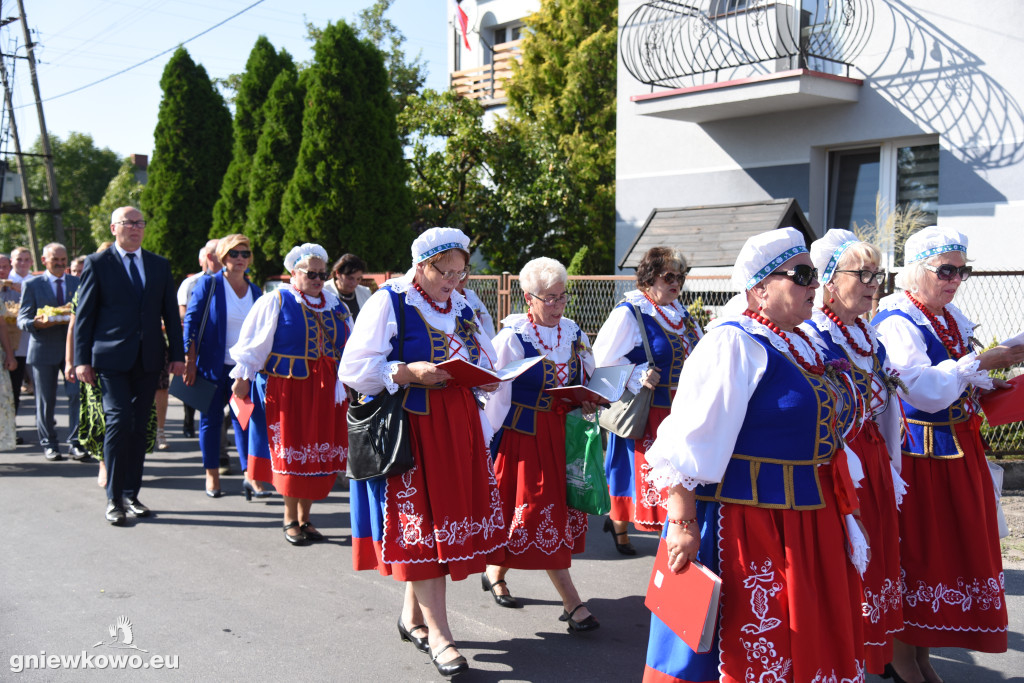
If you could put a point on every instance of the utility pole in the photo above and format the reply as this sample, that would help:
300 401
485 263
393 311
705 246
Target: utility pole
26 200
44 136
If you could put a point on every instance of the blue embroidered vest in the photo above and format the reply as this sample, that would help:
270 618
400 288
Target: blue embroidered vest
860 377
930 435
301 339
421 341
669 352
528 388
788 431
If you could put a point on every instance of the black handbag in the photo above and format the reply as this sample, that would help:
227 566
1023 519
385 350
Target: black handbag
378 431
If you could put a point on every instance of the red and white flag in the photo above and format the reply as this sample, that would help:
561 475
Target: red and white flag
463 19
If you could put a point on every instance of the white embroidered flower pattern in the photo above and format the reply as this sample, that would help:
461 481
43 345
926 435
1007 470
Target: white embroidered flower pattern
976 594
887 600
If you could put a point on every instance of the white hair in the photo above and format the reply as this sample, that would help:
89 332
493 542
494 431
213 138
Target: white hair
542 273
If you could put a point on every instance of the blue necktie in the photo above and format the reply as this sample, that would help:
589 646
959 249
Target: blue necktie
133 270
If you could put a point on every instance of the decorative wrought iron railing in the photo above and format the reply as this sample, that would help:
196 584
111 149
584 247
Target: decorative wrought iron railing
679 44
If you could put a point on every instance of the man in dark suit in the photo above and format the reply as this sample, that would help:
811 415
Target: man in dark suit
46 349
124 294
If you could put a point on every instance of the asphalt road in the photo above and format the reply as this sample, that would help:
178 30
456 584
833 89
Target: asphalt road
212 584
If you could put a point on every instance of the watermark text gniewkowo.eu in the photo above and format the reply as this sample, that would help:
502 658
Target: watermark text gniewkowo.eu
90 660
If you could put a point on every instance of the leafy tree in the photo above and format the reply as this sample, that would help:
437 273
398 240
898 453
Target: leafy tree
348 191
82 171
272 168
564 90
191 153
405 76
262 67
124 190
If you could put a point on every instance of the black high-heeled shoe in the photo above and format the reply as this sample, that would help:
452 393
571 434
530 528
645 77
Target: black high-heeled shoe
504 600
623 548
452 668
251 491
588 624
406 635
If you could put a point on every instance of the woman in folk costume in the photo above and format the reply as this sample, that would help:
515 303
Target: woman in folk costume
849 271
543 531
672 333
953 587
758 488
287 355
442 517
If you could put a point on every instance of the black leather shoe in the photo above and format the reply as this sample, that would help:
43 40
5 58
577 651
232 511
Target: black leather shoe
588 624
134 507
623 548
297 539
52 455
452 668
504 600
76 452
312 534
115 513
406 635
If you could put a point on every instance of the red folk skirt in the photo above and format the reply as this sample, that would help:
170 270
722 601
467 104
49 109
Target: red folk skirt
642 503
443 517
953 585
543 532
790 605
307 432
883 603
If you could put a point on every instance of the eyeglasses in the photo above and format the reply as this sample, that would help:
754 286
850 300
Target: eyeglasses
866 276
457 275
947 271
235 253
802 274
672 278
313 274
132 224
552 300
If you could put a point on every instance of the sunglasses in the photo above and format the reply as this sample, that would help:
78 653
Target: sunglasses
672 278
867 276
948 271
315 274
802 274
235 253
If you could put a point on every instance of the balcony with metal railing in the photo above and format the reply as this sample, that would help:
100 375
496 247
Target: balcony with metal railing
724 59
487 83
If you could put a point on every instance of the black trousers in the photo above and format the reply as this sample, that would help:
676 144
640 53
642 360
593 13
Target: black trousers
17 377
127 402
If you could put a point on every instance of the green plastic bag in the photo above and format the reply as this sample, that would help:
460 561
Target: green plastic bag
586 486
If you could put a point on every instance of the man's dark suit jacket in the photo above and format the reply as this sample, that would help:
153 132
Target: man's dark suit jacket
114 326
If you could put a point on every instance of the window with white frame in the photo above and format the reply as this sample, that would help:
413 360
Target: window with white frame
866 181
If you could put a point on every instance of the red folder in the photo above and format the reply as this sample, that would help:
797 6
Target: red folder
242 408
687 602
1004 406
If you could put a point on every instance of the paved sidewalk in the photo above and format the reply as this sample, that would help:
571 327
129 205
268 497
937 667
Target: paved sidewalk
213 583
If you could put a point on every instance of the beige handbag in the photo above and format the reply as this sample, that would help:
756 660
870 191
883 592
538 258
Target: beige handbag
627 417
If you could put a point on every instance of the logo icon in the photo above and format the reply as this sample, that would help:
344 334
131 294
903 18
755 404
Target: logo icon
122 637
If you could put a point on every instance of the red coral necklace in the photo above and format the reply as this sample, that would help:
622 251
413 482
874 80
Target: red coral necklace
536 332
310 304
674 326
447 308
817 369
948 335
830 314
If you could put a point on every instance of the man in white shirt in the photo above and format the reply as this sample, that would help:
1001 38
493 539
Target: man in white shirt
47 338
208 265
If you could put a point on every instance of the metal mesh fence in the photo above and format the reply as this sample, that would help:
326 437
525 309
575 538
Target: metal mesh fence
993 299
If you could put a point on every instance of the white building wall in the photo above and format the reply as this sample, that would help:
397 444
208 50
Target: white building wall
931 68
483 16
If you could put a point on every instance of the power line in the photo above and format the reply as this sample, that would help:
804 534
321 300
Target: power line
157 56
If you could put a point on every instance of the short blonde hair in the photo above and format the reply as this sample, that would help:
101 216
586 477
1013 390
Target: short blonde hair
542 273
229 242
861 251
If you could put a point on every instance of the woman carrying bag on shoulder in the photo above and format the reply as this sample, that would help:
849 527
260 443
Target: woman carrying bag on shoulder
216 309
668 336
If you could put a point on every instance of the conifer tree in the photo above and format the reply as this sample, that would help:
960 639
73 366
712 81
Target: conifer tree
272 168
262 67
123 190
191 152
348 191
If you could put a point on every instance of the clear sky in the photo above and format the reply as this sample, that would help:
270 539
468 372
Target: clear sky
81 41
